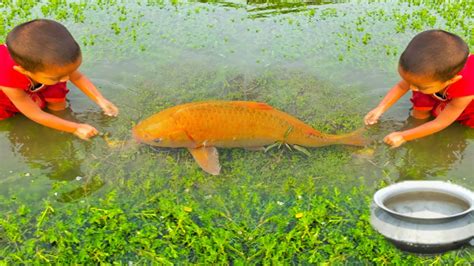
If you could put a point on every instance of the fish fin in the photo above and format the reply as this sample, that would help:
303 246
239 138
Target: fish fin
355 138
254 105
207 158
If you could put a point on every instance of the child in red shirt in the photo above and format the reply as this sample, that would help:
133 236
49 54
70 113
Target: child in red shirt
39 57
437 67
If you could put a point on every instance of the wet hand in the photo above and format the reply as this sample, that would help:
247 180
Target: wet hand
109 108
373 116
394 139
85 131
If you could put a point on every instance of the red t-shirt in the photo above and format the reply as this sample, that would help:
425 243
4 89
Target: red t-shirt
462 88
465 86
8 76
12 79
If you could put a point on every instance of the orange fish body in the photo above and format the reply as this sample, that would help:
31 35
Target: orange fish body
202 126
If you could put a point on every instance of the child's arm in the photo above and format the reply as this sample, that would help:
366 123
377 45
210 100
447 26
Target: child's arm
445 118
86 86
30 109
395 93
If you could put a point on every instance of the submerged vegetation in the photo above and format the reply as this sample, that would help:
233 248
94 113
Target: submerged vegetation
158 220
66 201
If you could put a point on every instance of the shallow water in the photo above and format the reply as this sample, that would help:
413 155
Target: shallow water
327 63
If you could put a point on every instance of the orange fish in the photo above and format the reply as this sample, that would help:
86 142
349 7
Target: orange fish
202 126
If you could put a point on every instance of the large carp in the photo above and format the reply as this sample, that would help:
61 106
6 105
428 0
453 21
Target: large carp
202 126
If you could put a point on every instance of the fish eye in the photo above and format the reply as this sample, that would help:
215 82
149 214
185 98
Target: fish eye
157 140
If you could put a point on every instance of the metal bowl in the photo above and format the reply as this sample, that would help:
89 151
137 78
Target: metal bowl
425 200
424 216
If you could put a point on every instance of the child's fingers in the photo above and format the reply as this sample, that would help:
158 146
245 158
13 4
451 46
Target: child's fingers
86 132
111 111
110 114
83 137
371 118
388 140
394 145
370 121
94 133
86 136
394 141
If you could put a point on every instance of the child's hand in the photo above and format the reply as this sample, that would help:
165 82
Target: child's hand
394 139
109 108
373 116
85 131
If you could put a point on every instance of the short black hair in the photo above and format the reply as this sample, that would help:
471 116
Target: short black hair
437 53
39 43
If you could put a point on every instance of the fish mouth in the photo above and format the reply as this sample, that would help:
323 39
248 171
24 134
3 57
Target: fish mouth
141 137
136 136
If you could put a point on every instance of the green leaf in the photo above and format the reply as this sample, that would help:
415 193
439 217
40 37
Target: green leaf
302 149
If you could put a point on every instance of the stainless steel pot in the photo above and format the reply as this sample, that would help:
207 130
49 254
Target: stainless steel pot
424 216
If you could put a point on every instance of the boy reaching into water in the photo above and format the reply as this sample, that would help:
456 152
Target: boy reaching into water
39 57
437 67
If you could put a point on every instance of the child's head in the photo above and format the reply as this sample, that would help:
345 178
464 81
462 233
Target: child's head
44 50
432 61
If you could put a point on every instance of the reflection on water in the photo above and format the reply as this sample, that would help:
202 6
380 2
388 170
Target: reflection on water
432 156
442 156
57 155
41 148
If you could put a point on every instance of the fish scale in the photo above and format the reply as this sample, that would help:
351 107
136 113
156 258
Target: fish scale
202 126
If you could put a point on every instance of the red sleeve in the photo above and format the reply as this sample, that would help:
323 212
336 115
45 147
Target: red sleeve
465 86
8 76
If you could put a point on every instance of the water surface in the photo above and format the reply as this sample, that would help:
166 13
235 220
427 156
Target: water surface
326 62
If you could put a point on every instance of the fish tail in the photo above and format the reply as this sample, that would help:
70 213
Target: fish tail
355 138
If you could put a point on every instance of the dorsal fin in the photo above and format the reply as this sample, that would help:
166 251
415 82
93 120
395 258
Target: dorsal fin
254 105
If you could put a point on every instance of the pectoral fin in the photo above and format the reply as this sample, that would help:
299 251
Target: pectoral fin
207 158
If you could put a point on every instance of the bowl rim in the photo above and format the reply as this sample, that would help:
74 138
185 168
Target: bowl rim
421 186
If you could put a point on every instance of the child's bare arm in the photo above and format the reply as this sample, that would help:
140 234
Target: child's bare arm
395 93
449 114
30 109
86 86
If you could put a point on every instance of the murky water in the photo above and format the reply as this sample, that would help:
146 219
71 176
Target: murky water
327 63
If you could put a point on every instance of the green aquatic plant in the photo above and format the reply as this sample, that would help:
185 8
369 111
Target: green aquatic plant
168 226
